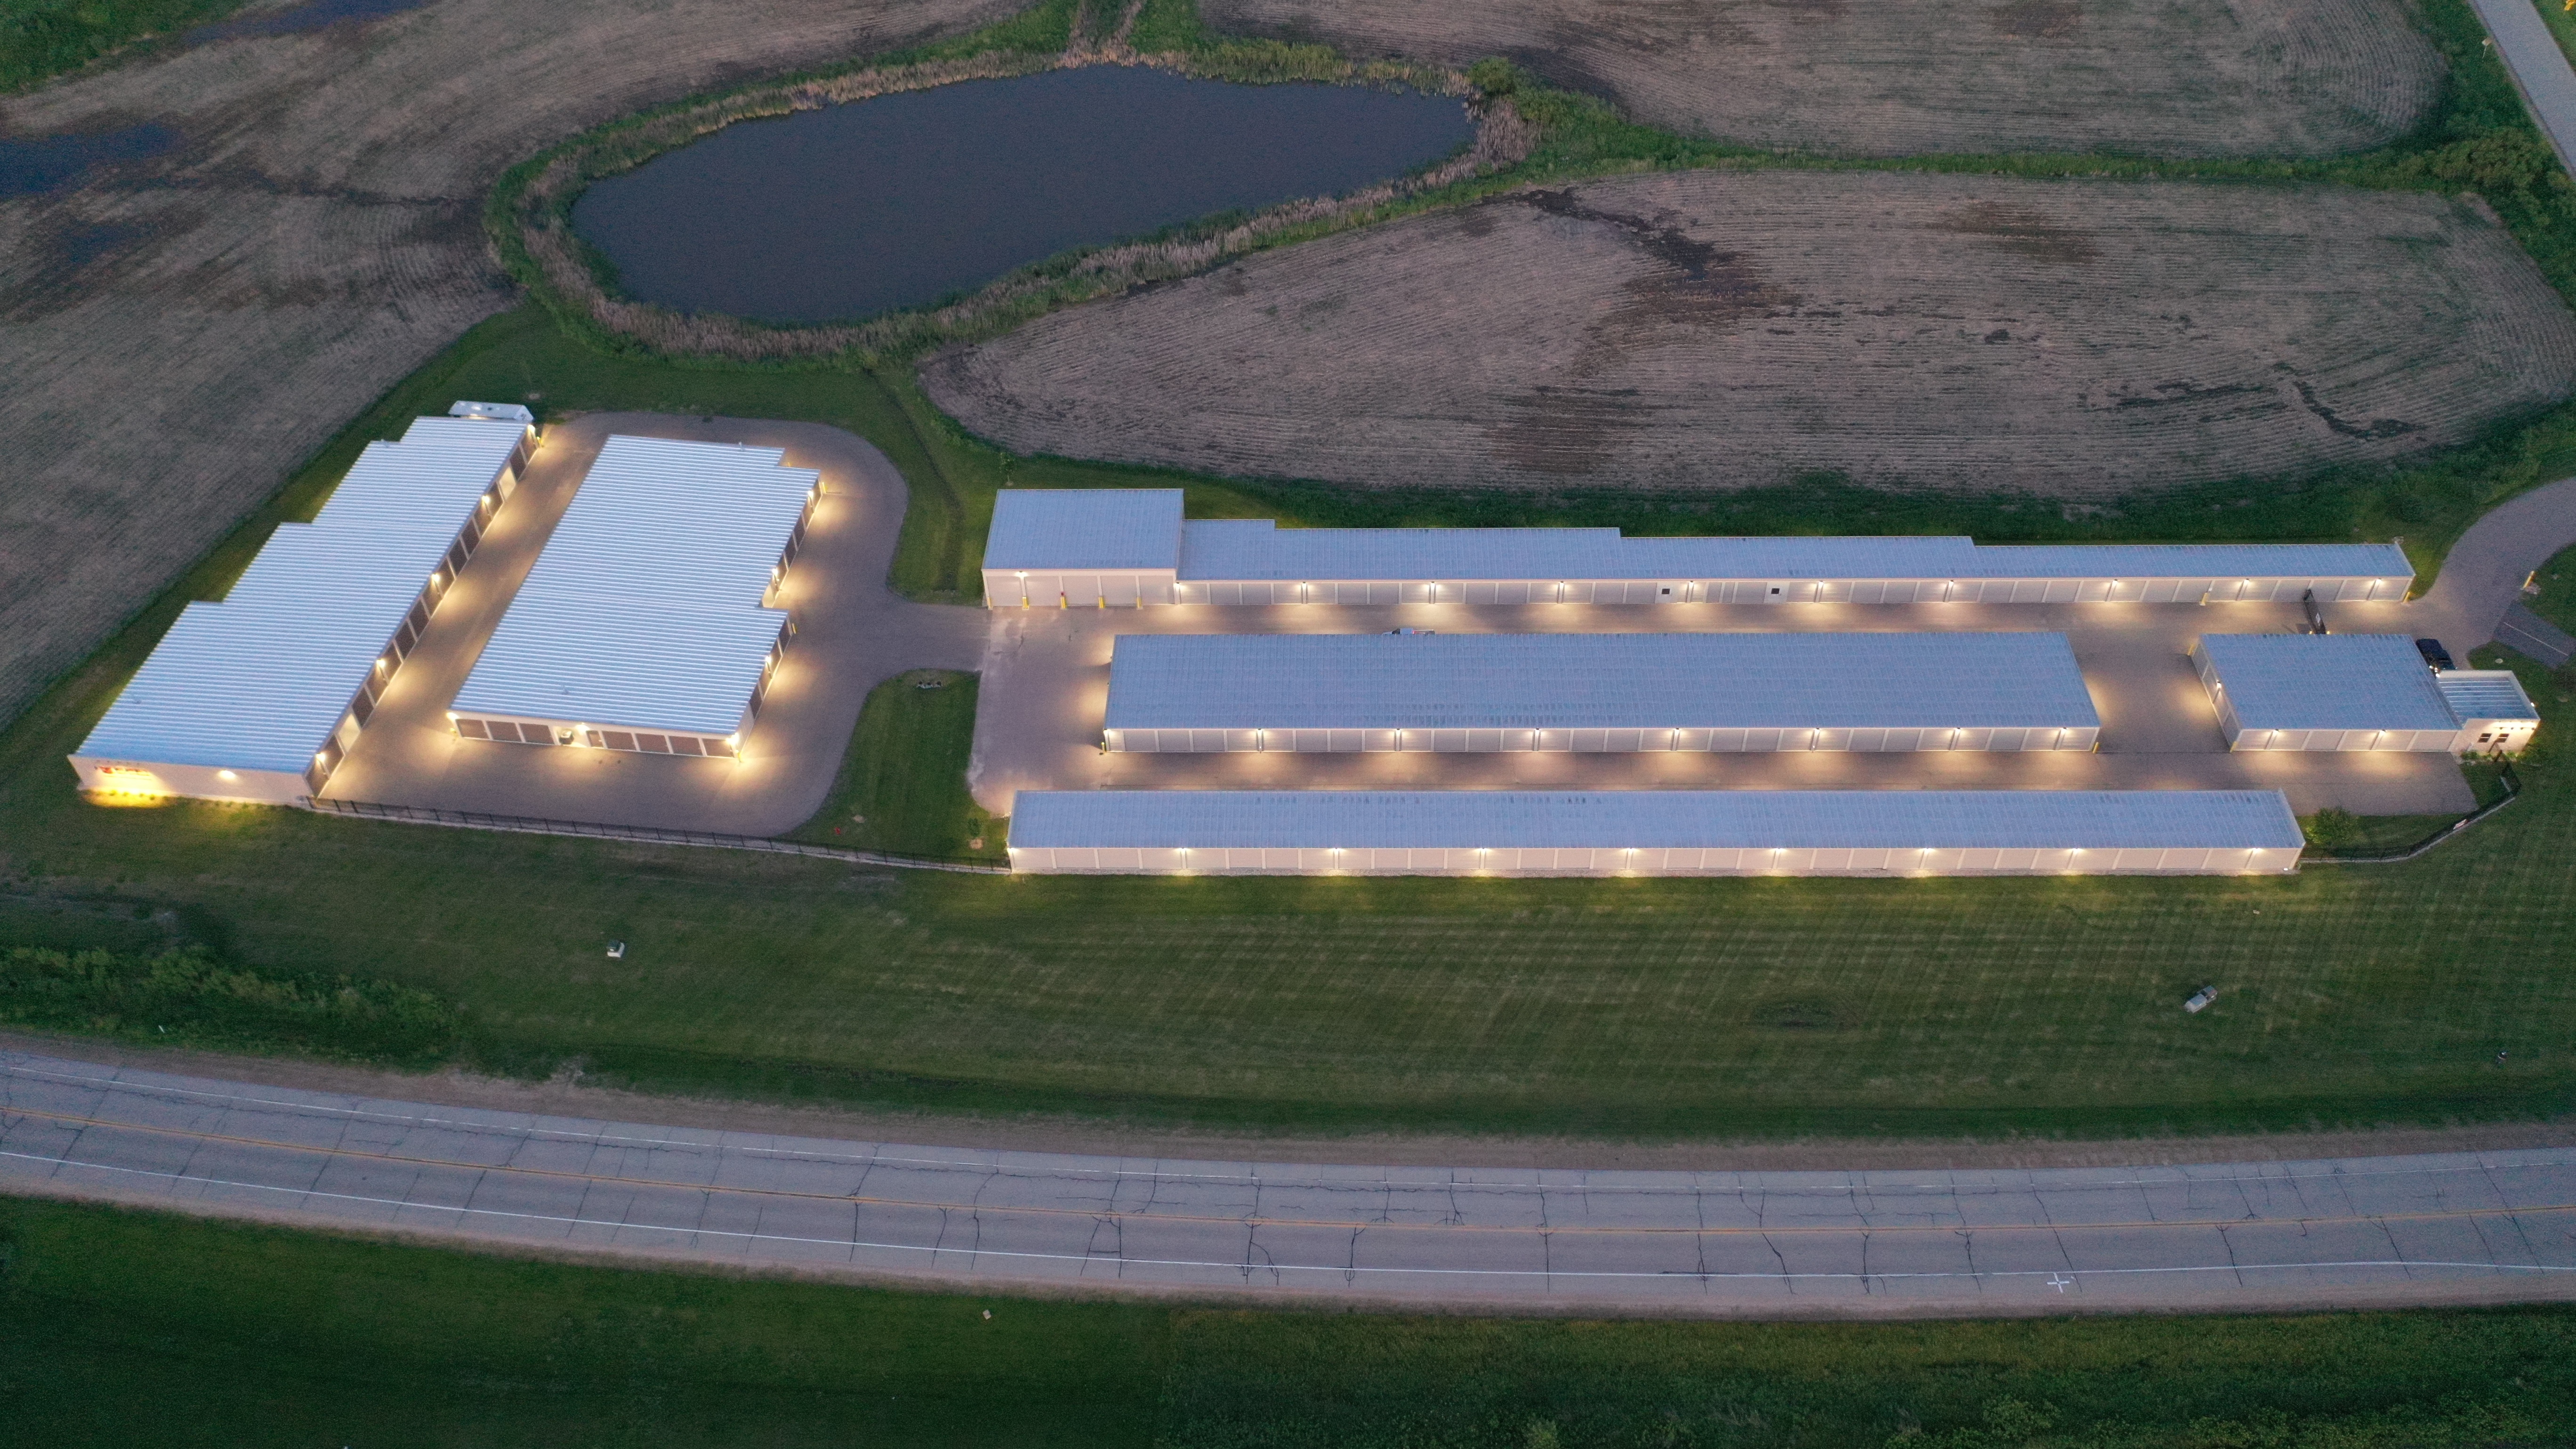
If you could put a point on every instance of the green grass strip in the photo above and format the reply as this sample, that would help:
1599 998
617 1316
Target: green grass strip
133 1328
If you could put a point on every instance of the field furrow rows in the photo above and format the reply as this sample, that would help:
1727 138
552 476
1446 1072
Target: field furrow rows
1715 331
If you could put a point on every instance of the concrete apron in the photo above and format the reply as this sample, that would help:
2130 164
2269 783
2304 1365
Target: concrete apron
1046 685
853 632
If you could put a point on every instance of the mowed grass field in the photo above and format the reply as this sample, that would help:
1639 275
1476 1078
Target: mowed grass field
1707 331
149 1329
2201 78
1637 1009
1648 1009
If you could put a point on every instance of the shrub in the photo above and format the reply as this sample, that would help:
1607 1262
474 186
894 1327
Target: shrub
188 997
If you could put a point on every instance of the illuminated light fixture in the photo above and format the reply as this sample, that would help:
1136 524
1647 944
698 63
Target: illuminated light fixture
433 576
320 755
226 775
734 739
451 714
1336 850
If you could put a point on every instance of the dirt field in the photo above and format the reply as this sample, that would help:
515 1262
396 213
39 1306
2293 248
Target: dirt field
177 332
1713 331
2191 77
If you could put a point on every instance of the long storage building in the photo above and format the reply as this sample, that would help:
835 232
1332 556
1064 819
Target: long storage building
1655 832
1121 548
2324 692
259 697
1208 693
646 624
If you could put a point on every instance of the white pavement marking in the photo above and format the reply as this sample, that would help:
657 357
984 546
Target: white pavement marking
2215 1236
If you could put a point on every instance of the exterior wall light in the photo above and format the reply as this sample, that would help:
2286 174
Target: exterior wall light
226 775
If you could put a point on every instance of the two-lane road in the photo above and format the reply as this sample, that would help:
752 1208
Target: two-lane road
2456 1228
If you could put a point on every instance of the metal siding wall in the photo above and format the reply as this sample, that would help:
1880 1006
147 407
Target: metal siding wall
1651 861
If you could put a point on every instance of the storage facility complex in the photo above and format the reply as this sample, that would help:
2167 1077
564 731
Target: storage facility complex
1655 832
1120 548
259 697
645 624
1207 693
2356 692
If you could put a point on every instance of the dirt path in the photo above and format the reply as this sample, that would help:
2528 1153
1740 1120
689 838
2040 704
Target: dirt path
566 1096
2188 78
178 330
1713 330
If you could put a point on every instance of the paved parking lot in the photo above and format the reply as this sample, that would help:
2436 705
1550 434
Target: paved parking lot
1046 683
853 632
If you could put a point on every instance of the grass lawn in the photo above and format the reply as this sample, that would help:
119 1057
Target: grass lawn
139 1328
2556 600
41 38
1639 1008
1647 1008
902 787
2562 23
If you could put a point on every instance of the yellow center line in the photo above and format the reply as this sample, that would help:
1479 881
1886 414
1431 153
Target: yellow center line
1245 1220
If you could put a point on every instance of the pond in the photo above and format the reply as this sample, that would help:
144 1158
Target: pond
904 199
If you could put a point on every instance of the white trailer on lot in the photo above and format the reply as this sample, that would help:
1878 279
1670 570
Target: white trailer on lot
646 624
1655 832
2322 692
1211 693
1117 548
259 697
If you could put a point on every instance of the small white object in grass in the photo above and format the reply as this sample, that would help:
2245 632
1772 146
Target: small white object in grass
616 950
2201 999
988 1313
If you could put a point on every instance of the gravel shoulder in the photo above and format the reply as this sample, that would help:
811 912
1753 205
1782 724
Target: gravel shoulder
1707 331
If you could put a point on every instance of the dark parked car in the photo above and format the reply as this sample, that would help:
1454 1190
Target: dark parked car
2434 654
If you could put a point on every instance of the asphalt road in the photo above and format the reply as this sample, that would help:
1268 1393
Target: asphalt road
2471 1227
2539 68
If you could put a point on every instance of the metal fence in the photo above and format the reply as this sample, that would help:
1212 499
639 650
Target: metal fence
645 835
2512 791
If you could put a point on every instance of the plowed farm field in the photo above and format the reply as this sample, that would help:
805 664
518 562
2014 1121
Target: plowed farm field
1709 330
180 327
2163 77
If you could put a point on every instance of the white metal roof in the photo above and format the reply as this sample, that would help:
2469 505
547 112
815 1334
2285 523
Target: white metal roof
1713 819
1085 528
2327 682
259 681
1586 681
645 608
512 412
2484 694
1057 529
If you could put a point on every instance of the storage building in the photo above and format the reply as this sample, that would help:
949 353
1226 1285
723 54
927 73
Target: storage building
1121 548
1655 832
1200 693
259 697
646 624
2496 717
2324 692
1096 547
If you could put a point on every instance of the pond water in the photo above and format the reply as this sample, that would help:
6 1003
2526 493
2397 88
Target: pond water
32 164
904 199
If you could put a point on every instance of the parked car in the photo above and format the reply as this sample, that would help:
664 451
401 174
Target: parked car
2436 657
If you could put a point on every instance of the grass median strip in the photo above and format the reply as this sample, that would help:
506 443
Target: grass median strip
150 1329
